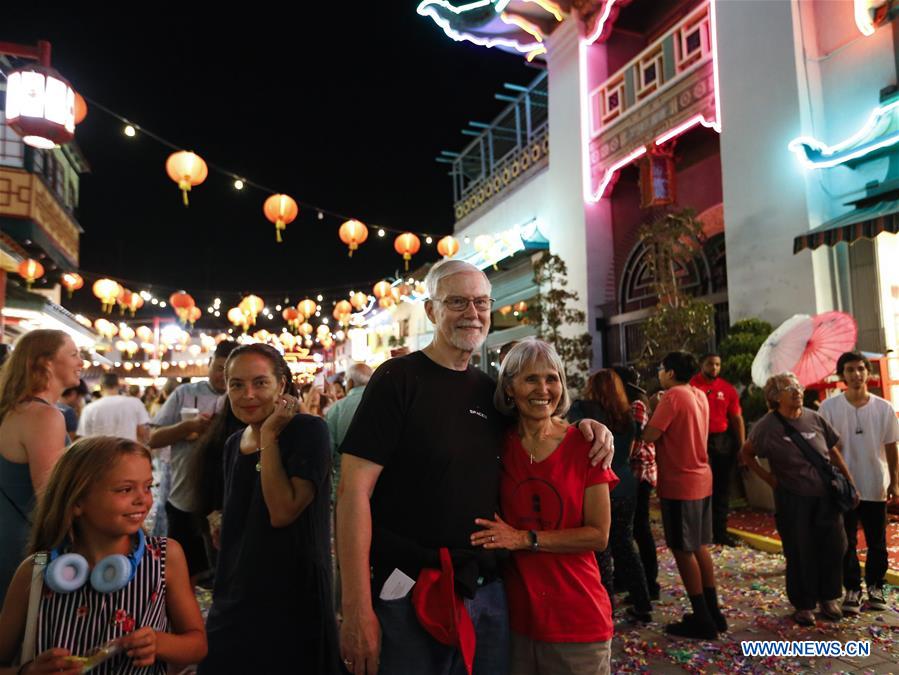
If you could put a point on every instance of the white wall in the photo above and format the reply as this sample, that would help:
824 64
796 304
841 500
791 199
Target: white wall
765 204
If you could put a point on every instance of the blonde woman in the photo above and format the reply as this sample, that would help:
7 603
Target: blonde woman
32 432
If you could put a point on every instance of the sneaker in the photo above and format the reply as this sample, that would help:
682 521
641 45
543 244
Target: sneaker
851 603
804 617
876 599
831 610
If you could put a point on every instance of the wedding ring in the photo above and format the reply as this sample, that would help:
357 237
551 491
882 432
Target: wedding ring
492 539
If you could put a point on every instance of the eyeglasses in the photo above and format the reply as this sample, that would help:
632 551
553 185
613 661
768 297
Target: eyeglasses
793 388
457 303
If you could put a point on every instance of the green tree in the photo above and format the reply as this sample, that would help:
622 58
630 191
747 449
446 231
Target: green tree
737 351
552 312
680 322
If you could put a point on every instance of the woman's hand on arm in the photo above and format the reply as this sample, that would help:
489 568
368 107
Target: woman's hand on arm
603 443
592 536
186 643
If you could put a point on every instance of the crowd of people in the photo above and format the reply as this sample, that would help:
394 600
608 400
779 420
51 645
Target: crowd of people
480 526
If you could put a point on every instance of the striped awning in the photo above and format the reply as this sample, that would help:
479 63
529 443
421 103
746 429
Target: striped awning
862 223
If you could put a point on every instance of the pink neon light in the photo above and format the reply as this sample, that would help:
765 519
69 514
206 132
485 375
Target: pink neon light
684 126
601 23
713 29
610 172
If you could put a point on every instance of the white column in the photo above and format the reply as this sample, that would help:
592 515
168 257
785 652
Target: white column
579 233
765 203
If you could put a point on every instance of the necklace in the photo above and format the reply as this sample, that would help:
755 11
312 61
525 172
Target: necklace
259 461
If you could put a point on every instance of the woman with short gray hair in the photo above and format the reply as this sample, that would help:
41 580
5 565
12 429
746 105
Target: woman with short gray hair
808 521
556 515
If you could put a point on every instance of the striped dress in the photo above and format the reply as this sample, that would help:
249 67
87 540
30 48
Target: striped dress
83 620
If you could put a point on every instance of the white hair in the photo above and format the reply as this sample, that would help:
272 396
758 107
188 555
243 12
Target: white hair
527 352
358 373
447 268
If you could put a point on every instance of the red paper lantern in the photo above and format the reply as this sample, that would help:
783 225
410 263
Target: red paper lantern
359 301
342 311
30 270
187 169
352 233
448 246
181 300
407 245
80 108
281 210
72 282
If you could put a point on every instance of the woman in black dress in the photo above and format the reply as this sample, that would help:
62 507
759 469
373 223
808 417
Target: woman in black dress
272 610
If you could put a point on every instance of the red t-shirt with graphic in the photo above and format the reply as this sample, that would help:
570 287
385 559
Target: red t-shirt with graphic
724 401
553 597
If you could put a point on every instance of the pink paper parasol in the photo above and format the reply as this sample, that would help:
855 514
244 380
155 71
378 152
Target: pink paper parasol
833 333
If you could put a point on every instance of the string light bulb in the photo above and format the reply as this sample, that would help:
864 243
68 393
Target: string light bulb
381 232
429 240
238 184
130 131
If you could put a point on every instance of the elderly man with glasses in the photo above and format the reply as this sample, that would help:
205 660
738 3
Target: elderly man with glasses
808 521
420 463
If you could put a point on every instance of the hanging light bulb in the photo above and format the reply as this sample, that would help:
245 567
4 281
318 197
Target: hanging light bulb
130 131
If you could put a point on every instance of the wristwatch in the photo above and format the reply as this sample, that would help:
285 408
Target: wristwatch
532 537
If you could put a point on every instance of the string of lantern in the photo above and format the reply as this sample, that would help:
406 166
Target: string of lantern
188 169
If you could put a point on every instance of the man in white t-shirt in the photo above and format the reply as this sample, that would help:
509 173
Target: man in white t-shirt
115 415
868 432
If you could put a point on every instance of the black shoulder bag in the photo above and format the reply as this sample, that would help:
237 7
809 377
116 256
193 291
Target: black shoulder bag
842 492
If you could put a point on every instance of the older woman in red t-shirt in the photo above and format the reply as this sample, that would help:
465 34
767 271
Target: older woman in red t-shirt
557 514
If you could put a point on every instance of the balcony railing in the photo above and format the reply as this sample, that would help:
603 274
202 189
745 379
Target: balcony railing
510 148
682 50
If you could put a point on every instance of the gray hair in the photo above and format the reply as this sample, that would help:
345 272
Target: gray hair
775 386
447 268
526 353
358 373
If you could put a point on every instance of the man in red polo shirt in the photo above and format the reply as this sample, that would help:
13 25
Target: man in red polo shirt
727 433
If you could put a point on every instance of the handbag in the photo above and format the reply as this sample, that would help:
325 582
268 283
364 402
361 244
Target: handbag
27 653
842 492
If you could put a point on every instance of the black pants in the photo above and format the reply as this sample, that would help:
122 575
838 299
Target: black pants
643 536
183 529
873 517
624 552
814 543
722 460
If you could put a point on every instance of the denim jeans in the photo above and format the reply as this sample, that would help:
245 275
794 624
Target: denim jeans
407 649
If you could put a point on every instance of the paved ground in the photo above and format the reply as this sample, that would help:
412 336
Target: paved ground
751 585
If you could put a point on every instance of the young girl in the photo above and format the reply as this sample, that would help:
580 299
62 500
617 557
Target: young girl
272 609
94 505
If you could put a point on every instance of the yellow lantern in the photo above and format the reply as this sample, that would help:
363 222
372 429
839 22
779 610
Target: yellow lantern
145 333
107 291
352 233
342 309
187 169
323 330
126 332
251 306
307 307
288 341
386 302
306 328
238 318
359 301
381 289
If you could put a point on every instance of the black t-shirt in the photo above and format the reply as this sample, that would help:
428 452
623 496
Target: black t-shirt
437 435
273 584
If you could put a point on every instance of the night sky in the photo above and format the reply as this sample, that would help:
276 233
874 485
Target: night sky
342 105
